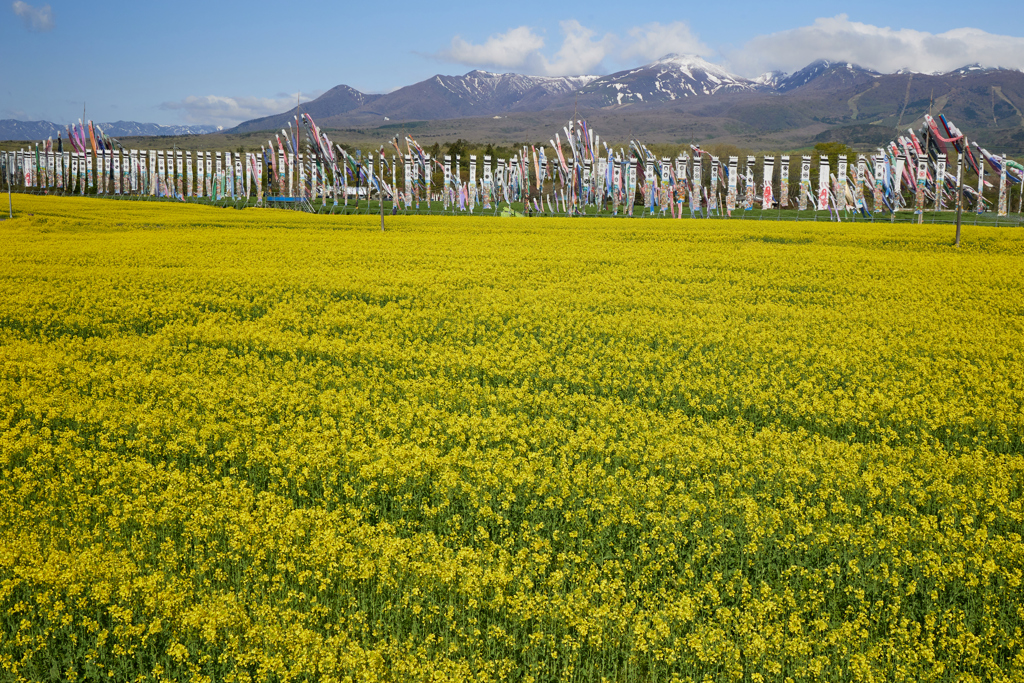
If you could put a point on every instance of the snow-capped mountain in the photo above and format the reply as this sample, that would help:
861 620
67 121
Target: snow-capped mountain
976 68
477 93
134 128
819 93
670 78
770 80
678 82
12 129
826 74
482 86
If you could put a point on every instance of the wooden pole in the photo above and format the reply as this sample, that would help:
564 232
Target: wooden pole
927 151
1020 196
959 195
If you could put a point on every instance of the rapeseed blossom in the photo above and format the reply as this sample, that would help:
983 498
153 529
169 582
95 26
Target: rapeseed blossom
264 446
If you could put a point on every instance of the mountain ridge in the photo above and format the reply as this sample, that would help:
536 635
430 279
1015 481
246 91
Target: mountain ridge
684 83
679 98
14 129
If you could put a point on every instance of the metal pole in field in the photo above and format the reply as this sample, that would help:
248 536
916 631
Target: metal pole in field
381 191
9 176
174 147
1020 197
959 195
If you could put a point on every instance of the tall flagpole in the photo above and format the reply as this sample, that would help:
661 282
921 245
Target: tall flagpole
927 151
86 155
959 194
381 188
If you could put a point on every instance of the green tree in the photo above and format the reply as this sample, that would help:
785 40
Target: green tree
459 147
833 150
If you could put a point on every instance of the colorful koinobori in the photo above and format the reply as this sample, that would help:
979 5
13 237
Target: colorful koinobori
578 174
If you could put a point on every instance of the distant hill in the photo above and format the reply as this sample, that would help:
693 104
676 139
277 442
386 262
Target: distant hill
336 101
11 129
478 93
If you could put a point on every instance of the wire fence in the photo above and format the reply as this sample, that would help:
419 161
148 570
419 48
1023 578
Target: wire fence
519 209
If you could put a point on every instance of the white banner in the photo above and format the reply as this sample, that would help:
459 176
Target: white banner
238 176
697 183
922 180
805 182
713 189
731 193
748 203
981 184
218 178
767 178
841 189
823 177
897 181
200 174
1002 207
161 190
940 181
879 182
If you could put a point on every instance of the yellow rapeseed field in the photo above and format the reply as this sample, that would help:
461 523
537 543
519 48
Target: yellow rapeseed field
263 446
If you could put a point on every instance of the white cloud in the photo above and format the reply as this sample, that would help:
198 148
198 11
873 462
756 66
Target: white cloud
653 41
580 53
875 47
230 111
885 49
18 114
521 49
38 19
514 49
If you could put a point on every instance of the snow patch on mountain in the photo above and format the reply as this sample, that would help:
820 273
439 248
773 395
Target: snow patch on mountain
669 78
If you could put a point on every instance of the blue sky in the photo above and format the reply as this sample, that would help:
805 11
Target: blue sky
224 62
